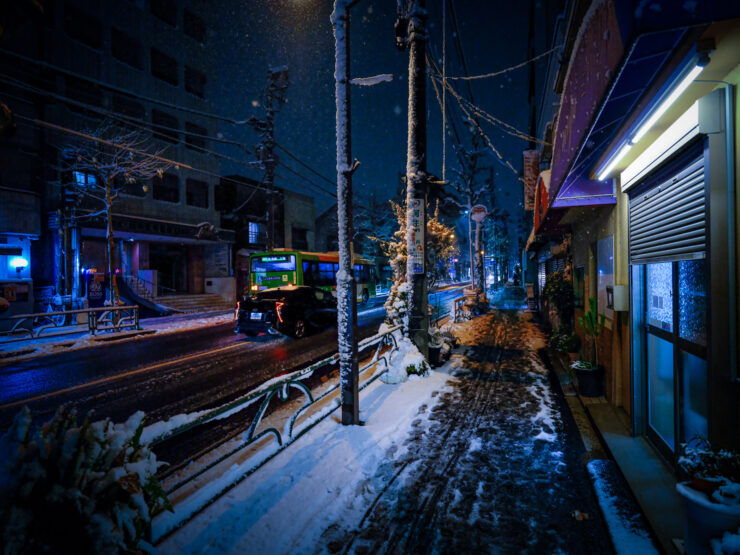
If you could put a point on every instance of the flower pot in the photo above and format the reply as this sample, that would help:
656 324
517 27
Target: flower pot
590 382
435 358
705 520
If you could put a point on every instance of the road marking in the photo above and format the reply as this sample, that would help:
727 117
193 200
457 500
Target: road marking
117 376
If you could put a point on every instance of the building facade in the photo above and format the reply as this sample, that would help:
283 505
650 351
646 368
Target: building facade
638 207
138 66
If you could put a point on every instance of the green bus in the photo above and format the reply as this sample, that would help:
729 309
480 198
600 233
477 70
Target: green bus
290 267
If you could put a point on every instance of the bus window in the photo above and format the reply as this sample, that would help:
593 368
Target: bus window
311 273
327 272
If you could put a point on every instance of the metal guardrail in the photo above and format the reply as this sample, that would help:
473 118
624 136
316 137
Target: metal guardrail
280 388
108 318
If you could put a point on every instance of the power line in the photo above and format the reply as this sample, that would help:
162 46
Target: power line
105 85
144 125
506 70
124 118
309 168
176 164
308 180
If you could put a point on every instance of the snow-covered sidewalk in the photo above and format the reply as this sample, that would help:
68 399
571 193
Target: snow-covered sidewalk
478 456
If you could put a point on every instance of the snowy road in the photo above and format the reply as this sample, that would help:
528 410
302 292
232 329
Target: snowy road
165 375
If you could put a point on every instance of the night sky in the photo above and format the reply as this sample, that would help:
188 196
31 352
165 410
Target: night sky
255 34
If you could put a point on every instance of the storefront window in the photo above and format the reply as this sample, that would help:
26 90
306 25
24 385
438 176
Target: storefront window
660 295
660 385
694 396
692 301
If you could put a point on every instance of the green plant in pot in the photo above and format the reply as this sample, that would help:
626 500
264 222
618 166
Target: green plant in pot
711 494
589 373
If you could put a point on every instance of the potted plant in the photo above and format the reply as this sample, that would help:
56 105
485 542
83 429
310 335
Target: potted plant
711 494
558 291
564 340
441 343
590 374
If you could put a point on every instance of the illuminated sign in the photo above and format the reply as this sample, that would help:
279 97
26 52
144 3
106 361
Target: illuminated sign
274 259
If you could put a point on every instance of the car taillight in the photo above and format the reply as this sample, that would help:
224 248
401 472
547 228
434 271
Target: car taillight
279 310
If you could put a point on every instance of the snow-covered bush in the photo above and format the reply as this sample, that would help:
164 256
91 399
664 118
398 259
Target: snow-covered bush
66 488
405 361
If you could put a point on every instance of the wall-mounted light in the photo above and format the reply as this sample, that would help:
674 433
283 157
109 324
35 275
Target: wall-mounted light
18 263
666 100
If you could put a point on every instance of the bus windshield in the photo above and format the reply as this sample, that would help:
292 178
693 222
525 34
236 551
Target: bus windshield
274 263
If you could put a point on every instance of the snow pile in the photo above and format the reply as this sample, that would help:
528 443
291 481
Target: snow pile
625 521
407 360
729 543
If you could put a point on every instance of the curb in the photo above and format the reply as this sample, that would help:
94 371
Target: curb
624 517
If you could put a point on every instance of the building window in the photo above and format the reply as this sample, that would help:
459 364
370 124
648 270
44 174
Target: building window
131 188
166 10
82 91
300 238
82 26
194 26
256 233
83 180
165 126
164 67
196 193
126 48
195 136
195 81
166 188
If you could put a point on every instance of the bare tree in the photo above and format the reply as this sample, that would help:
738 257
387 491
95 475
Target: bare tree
468 188
99 164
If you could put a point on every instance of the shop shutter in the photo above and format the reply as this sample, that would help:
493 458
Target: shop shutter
668 221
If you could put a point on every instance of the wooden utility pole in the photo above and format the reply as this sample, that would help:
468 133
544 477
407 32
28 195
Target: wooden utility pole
416 171
346 286
273 97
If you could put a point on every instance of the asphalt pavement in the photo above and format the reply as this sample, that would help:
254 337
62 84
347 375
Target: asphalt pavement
167 374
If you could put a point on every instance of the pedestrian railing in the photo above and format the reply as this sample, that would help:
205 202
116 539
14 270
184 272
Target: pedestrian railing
62 322
385 345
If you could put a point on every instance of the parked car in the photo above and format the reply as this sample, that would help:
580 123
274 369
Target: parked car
293 310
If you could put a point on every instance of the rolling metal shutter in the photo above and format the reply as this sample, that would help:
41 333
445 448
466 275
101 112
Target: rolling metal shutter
668 221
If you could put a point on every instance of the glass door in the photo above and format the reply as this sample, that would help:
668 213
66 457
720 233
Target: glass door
675 305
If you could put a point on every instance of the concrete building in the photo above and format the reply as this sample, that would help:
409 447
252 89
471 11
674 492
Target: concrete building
143 65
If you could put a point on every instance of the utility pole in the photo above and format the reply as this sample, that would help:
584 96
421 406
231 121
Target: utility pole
273 97
346 286
411 33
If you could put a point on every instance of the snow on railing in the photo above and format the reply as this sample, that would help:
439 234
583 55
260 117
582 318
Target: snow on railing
21 327
158 432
